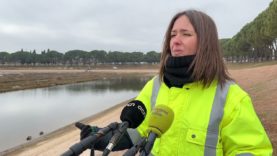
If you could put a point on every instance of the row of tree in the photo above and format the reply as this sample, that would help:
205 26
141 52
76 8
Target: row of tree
77 57
256 41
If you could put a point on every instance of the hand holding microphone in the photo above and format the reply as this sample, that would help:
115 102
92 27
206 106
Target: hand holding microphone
131 116
159 122
86 130
90 140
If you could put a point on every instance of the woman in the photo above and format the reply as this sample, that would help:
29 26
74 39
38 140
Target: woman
212 114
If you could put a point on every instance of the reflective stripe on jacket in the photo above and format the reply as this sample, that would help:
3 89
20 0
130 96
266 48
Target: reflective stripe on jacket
205 125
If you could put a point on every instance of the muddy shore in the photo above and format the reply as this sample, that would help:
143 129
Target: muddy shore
18 79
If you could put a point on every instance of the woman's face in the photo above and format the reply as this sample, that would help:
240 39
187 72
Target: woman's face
183 39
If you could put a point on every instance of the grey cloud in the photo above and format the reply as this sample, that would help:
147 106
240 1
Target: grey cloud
122 25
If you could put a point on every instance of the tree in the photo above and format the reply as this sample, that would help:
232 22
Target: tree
257 40
152 57
75 57
4 56
22 57
98 56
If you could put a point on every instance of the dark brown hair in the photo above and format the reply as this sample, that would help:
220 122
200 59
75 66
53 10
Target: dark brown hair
208 63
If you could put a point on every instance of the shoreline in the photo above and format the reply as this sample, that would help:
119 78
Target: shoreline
13 80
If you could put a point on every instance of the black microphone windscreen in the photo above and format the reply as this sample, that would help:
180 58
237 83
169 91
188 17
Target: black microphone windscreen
134 113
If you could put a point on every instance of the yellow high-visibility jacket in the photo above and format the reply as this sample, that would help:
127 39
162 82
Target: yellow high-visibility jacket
206 124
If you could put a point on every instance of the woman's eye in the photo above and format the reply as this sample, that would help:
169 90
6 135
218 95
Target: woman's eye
172 35
186 34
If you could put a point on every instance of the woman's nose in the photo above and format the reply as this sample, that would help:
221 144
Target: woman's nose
176 39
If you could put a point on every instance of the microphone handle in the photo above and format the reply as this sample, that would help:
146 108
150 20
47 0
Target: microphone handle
132 151
122 127
150 142
89 141
78 148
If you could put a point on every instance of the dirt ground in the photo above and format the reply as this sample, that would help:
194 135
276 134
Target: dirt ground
259 82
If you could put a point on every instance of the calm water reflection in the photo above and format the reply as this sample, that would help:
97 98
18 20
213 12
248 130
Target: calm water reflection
26 113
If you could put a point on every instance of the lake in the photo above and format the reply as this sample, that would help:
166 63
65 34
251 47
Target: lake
28 112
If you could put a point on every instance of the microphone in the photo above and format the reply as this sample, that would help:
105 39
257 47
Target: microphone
160 120
84 144
133 150
79 125
131 116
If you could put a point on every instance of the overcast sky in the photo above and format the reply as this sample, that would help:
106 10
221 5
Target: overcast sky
111 25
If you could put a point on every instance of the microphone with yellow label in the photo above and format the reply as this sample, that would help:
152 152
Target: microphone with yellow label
160 120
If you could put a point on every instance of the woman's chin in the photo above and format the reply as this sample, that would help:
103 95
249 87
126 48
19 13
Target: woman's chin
178 54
